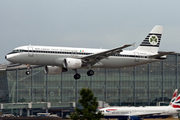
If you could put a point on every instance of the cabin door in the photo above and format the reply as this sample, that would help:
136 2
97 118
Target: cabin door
74 54
30 51
136 54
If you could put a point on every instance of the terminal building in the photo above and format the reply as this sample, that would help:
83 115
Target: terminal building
144 85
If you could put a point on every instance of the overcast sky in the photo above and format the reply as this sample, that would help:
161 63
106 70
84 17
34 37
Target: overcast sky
87 23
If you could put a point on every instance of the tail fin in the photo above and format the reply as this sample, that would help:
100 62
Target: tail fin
174 97
152 41
176 103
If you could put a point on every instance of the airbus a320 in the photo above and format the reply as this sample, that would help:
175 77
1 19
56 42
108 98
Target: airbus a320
59 59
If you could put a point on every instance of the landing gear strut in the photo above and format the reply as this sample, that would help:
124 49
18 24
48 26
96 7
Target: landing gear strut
28 69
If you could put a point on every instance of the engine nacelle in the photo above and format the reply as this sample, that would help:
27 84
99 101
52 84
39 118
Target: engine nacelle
53 70
134 118
72 63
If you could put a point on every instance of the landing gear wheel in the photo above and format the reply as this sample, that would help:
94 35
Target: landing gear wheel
77 76
27 72
90 72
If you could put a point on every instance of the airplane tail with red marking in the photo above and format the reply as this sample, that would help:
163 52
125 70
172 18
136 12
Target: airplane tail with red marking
176 103
174 97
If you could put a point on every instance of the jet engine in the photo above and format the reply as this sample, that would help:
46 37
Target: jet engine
72 63
53 70
134 118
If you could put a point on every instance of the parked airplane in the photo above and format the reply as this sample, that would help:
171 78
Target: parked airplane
137 113
60 59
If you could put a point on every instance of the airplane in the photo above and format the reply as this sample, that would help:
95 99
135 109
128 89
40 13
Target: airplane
59 59
138 113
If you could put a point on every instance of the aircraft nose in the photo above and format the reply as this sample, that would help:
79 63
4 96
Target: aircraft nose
10 58
7 57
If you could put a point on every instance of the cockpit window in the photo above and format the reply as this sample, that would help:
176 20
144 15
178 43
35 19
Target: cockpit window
16 51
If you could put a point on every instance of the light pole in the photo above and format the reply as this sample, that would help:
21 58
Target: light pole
35 94
103 86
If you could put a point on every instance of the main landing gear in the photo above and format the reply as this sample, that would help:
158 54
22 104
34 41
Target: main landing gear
78 76
90 72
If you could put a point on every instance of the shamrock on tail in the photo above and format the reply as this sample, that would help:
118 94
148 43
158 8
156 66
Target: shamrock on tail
153 40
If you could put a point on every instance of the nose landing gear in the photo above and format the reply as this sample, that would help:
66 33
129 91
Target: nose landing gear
28 70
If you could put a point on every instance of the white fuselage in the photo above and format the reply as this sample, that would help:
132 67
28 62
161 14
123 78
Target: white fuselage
54 56
139 111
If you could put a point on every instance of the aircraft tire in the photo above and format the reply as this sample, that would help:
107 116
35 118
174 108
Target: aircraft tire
90 72
77 76
27 72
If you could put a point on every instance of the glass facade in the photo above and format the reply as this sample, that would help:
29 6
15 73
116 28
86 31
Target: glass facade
136 86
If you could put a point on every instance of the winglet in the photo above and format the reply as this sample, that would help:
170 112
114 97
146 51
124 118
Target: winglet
133 44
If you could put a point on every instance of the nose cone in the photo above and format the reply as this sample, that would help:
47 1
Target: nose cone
12 58
7 57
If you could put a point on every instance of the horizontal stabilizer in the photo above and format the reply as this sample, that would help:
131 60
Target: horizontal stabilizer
160 54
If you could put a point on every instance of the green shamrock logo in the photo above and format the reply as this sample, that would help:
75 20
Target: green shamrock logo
153 39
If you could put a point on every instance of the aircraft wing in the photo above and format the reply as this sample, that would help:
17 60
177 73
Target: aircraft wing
93 58
160 54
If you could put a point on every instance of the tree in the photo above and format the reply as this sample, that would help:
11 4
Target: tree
90 105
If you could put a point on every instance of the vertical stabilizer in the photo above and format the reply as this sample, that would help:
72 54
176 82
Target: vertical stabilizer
151 43
176 103
174 97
